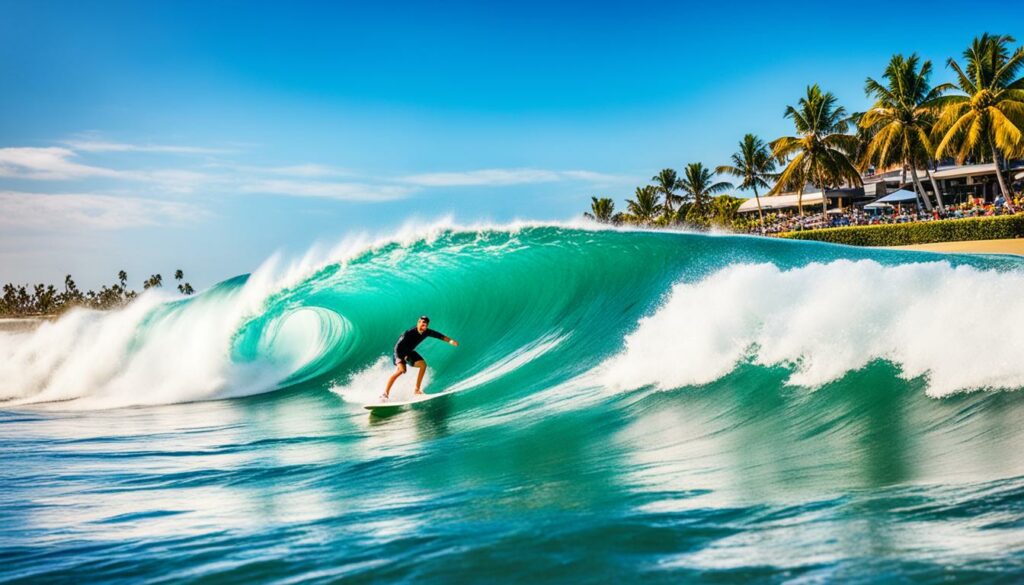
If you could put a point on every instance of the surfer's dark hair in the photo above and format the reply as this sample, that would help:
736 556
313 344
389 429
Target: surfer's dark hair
425 318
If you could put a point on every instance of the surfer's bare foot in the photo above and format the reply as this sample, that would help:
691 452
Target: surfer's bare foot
418 391
384 398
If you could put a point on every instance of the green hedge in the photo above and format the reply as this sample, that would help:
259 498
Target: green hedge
905 234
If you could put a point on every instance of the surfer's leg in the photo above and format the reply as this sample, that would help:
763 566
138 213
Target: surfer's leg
422 365
398 372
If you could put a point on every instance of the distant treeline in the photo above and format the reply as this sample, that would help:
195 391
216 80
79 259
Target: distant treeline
45 299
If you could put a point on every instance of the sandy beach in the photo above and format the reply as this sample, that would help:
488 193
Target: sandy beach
1009 246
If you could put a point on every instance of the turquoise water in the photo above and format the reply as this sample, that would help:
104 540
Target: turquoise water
632 406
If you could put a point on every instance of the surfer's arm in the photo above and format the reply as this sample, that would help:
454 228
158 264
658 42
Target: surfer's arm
442 337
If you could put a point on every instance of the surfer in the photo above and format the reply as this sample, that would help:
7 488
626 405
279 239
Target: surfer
405 352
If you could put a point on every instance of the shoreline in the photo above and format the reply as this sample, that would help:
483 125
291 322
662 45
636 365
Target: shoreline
1013 246
23 324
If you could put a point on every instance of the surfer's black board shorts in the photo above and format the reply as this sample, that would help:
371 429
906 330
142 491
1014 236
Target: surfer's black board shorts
410 359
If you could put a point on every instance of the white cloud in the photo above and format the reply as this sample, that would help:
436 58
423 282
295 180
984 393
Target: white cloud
342 191
501 177
483 177
305 170
592 176
224 177
80 210
177 180
106 146
50 163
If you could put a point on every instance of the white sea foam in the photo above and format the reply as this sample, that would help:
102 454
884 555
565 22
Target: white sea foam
959 327
143 355
367 385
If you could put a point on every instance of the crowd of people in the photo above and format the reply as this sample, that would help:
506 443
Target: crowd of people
788 221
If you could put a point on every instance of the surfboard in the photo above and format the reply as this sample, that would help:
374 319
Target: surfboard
403 403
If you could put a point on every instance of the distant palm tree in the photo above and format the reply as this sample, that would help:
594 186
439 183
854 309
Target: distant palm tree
646 207
699 184
821 152
183 287
988 113
667 183
155 280
754 165
901 117
601 210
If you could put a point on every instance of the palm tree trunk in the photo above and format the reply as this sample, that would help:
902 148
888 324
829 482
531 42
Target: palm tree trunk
824 203
800 201
760 212
999 173
920 187
935 186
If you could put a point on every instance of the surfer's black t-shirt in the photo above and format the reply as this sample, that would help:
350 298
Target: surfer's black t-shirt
408 341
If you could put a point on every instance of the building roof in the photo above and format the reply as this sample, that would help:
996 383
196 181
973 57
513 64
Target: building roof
780 202
958 171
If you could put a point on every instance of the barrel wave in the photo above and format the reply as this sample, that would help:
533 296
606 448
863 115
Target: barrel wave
654 403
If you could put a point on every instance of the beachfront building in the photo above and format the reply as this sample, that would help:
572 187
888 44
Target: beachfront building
957 184
840 198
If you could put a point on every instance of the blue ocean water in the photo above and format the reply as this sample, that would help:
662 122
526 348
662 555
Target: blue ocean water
641 406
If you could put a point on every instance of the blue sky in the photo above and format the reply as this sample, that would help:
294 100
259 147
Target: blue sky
206 135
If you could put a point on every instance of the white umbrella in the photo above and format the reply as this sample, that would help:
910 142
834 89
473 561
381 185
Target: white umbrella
900 196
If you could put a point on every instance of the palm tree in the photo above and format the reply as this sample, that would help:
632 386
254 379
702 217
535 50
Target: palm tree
646 207
183 287
901 117
821 151
754 165
988 113
667 183
698 184
601 210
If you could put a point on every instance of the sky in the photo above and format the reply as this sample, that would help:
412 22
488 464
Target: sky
152 136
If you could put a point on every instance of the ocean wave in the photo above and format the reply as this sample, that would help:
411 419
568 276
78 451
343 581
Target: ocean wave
537 306
957 327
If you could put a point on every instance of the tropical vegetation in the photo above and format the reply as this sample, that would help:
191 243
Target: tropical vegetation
754 165
821 152
982 116
902 118
911 125
907 234
23 300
